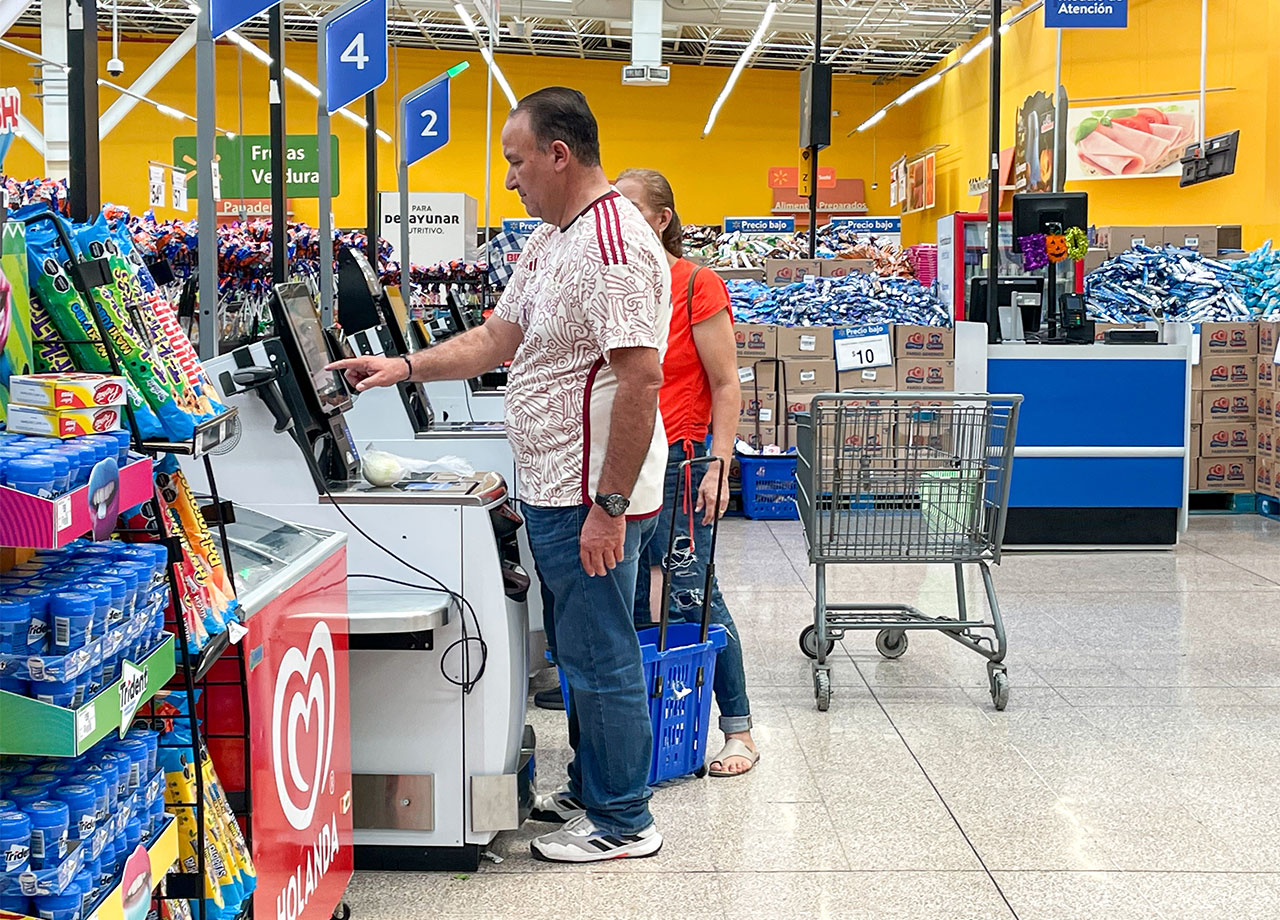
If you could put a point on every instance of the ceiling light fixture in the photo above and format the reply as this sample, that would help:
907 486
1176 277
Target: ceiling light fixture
756 38
484 53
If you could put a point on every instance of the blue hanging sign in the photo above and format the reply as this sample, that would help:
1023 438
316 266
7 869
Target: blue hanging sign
225 15
522 225
355 51
1086 14
426 120
759 225
869 226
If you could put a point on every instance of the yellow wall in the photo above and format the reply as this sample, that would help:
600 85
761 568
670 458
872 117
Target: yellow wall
726 173
1158 52
649 126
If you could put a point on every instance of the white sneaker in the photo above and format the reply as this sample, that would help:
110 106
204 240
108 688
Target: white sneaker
556 807
580 841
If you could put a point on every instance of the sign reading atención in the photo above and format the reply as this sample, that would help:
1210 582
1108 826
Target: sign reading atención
1086 14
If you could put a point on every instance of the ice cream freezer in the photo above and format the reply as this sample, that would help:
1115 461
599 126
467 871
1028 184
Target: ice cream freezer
295 777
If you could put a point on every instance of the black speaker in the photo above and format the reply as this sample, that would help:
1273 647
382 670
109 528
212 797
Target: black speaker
815 106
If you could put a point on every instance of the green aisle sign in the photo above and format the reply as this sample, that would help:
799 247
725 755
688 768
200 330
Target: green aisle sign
244 163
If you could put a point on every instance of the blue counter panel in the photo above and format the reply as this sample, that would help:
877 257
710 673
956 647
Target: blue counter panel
1094 402
1096 482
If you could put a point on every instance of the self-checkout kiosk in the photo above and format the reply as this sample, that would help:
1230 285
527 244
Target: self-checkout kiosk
442 759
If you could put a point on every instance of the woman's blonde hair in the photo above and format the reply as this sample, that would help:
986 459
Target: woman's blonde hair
658 195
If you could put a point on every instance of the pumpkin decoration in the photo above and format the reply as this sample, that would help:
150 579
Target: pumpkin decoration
1055 245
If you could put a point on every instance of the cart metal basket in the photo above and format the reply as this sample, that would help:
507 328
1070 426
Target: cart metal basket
897 478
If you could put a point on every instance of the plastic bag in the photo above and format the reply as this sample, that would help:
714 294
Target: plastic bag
383 468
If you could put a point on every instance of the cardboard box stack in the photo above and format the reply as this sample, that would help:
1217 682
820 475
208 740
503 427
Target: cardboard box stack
782 368
1225 399
1268 402
1205 239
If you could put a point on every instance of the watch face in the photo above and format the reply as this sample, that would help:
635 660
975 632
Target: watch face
613 504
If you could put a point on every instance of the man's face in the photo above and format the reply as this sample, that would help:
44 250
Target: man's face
537 175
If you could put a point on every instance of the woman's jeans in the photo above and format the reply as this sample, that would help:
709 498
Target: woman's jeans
593 640
688 566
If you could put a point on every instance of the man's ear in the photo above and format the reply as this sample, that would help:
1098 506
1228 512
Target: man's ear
561 155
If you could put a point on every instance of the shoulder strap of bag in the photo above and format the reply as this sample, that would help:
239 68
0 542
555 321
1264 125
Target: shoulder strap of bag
688 302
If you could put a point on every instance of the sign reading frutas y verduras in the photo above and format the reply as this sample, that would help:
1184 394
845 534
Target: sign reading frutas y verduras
244 163
1086 14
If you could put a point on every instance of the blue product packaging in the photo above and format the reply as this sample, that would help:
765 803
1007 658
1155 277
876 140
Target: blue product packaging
15 685
15 623
120 603
61 468
157 811
71 617
103 793
56 692
26 796
129 575
16 768
107 863
96 682
107 770
152 740
122 764
123 440
49 824
88 885
82 805
133 833
64 768
102 602
138 752
16 903
15 842
31 474
37 596
65 906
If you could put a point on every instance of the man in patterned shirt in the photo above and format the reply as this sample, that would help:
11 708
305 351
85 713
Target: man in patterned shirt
584 322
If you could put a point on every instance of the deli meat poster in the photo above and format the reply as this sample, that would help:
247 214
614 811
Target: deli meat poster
1135 141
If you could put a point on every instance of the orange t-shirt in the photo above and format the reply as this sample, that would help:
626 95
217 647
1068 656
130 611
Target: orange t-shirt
685 400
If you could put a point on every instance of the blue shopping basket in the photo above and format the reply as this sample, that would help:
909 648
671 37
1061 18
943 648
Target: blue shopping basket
679 671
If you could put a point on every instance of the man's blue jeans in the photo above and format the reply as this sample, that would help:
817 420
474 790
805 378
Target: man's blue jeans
688 582
593 640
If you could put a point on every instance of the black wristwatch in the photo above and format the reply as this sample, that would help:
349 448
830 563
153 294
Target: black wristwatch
614 504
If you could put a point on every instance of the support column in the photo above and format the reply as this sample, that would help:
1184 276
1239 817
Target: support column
84 195
53 88
279 193
206 209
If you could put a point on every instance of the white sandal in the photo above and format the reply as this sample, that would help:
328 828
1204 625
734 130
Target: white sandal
735 748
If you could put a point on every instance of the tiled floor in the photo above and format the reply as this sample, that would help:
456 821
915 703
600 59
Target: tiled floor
1134 774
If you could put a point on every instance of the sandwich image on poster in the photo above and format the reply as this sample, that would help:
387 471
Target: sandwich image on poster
1142 140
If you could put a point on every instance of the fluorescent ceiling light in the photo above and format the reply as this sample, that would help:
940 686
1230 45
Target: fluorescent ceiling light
172 112
250 47
484 53
874 119
756 38
976 50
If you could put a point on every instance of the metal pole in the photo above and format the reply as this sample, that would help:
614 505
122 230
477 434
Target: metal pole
279 193
488 150
993 176
402 182
84 195
1204 54
325 190
206 209
1060 123
372 231
813 149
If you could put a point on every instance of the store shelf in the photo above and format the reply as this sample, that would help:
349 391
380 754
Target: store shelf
163 853
210 654
48 523
208 435
37 729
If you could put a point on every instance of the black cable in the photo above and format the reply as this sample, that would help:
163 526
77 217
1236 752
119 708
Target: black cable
467 683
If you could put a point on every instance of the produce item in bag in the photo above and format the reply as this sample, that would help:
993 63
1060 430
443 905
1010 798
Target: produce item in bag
122 297
178 495
71 317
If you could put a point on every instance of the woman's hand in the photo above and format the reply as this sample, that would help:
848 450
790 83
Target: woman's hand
715 478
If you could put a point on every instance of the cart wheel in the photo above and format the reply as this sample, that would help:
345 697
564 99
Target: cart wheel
342 911
809 642
1000 690
701 772
822 689
891 643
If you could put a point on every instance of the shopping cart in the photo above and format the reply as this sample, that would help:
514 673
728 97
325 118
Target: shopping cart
897 478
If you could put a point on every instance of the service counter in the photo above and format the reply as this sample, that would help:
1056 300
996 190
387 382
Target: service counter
1102 454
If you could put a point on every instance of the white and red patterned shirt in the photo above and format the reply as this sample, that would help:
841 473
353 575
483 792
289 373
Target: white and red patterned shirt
579 293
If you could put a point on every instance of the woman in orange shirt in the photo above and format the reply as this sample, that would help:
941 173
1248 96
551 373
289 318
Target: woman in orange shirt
699 391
